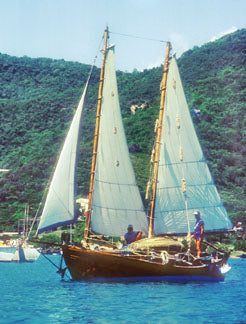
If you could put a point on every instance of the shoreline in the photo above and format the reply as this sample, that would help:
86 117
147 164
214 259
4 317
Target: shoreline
238 255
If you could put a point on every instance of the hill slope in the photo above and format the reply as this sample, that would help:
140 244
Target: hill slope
214 77
38 98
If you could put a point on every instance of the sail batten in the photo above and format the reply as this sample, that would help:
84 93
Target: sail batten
59 208
116 201
184 184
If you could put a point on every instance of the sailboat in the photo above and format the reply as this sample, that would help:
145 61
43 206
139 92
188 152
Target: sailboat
19 250
181 184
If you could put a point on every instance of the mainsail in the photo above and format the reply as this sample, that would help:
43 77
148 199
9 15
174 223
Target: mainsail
182 161
116 199
59 208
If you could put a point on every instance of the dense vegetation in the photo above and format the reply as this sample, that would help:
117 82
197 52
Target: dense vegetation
38 98
217 86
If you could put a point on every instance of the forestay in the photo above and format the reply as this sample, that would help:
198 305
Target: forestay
116 199
181 157
59 207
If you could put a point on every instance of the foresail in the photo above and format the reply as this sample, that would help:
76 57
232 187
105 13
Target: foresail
181 158
59 208
116 199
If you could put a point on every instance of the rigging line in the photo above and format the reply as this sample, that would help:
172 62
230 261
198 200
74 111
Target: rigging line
116 183
118 209
40 204
183 162
190 185
95 58
56 266
190 208
135 36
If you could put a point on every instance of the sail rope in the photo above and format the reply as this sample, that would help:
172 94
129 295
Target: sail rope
181 158
39 206
94 60
141 37
61 271
116 183
117 209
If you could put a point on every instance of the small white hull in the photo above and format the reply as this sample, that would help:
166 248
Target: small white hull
7 253
18 254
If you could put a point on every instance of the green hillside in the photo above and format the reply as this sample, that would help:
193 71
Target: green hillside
214 77
38 98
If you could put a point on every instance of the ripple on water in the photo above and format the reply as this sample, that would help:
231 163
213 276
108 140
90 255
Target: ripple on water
33 293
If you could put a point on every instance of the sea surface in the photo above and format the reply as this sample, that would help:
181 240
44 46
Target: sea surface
34 293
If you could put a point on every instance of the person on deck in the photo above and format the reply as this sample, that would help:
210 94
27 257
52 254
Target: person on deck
198 232
132 236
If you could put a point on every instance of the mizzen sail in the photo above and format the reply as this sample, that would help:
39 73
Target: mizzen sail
182 161
116 199
59 208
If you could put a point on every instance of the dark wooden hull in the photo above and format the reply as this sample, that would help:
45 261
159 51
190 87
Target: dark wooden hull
88 264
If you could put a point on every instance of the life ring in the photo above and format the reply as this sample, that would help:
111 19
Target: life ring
164 257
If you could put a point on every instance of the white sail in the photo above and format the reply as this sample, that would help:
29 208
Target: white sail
59 208
181 158
116 199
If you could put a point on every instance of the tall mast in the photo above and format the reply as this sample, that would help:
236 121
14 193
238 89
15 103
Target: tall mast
95 145
158 142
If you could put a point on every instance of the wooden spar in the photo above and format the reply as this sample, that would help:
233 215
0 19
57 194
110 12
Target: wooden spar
158 142
214 247
95 145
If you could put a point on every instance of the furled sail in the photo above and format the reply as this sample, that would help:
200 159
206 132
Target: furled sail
116 199
184 181
59 208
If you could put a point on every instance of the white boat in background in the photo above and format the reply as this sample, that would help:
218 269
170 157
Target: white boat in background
7 253
18 251
25 253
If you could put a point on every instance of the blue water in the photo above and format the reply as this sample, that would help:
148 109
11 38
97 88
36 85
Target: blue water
33 293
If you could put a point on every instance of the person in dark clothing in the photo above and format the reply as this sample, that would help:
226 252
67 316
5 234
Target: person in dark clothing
132 236
198 232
